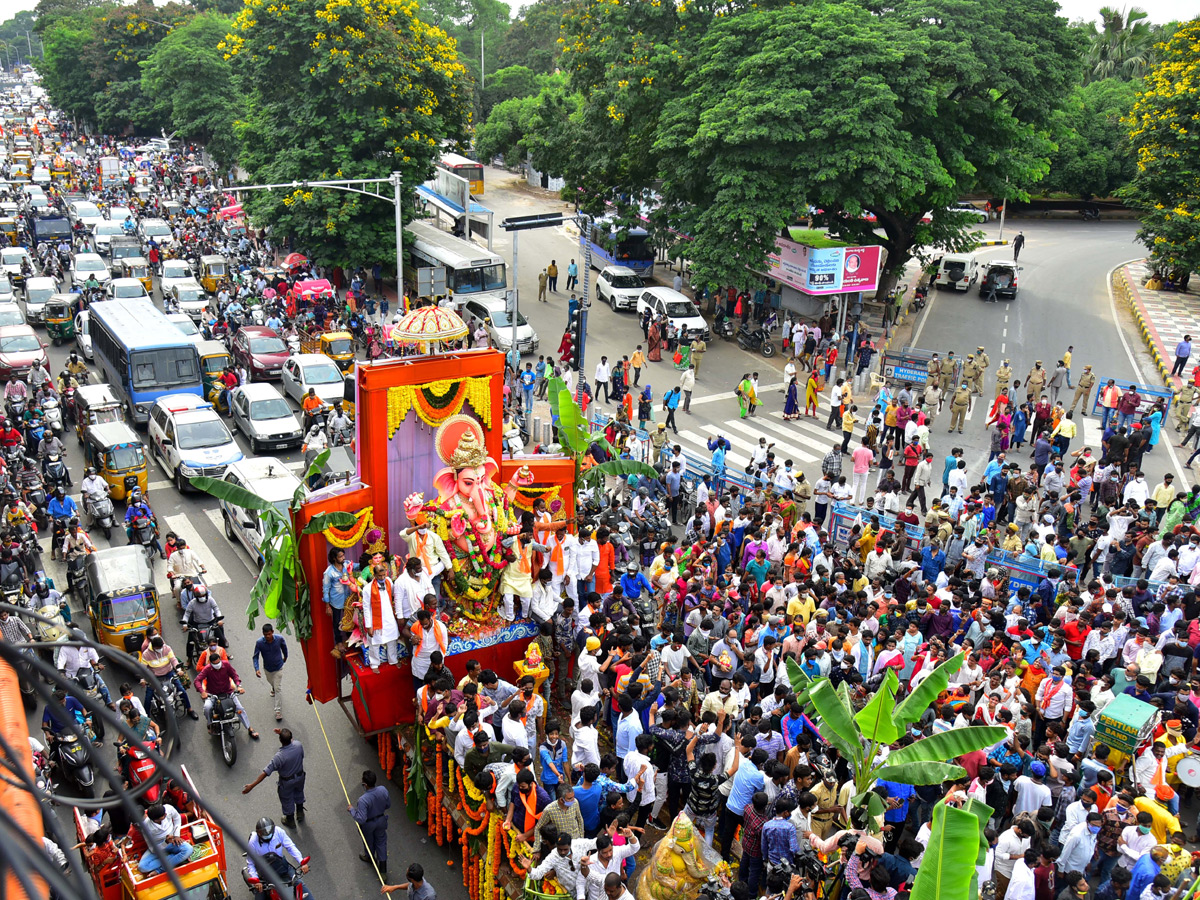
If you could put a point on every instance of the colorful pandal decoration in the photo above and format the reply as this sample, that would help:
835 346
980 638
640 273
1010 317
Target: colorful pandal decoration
342 538
436 401
526 497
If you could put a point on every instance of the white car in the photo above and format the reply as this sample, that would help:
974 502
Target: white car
174 271
680 310
313 370
270 479
191 298
6 290
87 264
119 214
103 235
10 314
37 291
11 260
498 322
125 289
619 287
154 228
188 438
184 323
83 335
41 175
86 212
969 211
264 417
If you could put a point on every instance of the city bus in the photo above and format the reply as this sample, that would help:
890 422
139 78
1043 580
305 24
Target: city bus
472 272
141 354
634 250
470 169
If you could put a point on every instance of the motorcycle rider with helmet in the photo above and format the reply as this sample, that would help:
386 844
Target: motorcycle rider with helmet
9 435
77 367
17 511
200 611
272 843
139 507
60 508
51 445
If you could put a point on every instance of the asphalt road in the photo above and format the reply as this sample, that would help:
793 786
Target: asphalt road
1063 300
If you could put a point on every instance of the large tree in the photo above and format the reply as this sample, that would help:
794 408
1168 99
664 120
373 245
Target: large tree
342 89
1162 130
1094 157
1122 46
190 83
533 40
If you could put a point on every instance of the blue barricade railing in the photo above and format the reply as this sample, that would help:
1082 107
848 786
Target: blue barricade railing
844 516
1148 393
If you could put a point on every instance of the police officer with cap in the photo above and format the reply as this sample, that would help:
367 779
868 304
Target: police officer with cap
371 815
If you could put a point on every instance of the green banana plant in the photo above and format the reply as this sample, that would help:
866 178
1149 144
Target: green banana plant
956 846
281 591
859 736
576 437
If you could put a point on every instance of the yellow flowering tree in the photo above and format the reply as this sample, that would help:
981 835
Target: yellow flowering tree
1165 131
341 89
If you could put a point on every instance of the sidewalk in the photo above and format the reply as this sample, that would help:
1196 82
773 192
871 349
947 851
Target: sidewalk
1163 318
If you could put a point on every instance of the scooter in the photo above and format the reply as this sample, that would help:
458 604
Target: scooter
52 410
89 682
142 533
100 512
72 758
1090 214
724 328
756 339
287 874
57 475
341 437
167 704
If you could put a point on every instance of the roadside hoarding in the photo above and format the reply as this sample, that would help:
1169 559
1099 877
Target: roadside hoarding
825 270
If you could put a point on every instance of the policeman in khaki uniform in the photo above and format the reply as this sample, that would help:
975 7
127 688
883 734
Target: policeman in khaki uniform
1083 389
933 374
981 358
959 405
1035 381
1003 377
971 371
948 366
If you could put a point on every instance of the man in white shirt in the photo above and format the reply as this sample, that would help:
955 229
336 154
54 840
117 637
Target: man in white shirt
1022 886
72 659
564 861
607 860
1009 850
1031 792
1079 844
585 740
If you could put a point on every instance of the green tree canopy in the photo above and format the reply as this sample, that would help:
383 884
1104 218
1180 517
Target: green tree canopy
341 89
190 84
1162 130
533 40
1094 157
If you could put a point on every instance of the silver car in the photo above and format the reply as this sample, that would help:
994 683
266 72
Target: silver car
264 417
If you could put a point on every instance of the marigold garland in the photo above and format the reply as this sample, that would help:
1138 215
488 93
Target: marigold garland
343 538
437 401
526 497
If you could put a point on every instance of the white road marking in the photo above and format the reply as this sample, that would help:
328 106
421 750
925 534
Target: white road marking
730 395
182 525
218 522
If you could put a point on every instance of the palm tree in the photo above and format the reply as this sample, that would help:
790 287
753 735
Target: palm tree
1122 46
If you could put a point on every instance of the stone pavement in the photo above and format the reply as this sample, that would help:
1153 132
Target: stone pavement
1163 318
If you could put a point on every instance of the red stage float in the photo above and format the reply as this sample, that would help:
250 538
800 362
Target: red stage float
429 427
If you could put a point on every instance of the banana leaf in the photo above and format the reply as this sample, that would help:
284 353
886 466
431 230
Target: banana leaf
572 428
835 714
920 773
875 719
618 468
948 745
796 677
956 846
555 388
875 807
416 800
314 467
335 519
230 493
911 707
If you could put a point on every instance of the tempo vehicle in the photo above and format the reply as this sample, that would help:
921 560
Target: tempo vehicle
122 601
119 457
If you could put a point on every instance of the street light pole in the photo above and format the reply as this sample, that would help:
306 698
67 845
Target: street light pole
516 296
397 180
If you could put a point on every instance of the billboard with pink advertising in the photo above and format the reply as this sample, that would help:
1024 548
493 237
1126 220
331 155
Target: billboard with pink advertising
825 270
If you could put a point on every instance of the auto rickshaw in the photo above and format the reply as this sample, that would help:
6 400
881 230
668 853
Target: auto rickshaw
213 270
348 394
214 359
118 455
8 226
137 267
337 345
96 404
116 876
122 601
60 318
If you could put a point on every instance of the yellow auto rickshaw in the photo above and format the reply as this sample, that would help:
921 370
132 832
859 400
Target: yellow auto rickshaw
348 395
138 267
95 404
122 601
214 359
337 345
213 270
8 226
117 454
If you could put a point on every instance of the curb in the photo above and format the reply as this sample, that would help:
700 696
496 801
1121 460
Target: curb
1122 287
991 243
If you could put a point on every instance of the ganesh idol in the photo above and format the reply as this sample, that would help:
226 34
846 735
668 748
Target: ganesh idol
473 515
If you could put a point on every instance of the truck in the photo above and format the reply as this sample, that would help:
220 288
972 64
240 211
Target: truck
53 229
337 345
109 170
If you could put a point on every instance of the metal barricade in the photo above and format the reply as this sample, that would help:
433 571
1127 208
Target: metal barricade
844 516
1148 393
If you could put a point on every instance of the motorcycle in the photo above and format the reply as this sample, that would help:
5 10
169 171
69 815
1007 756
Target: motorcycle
920 297
287 874
318 416
72 758
199 635
52 409
100 512
26 676
140 769
34 492
142 532
89 683
34 432
167 704
57 475
756 339
16 408
1090 214
341 437
724 328
513 443
225 723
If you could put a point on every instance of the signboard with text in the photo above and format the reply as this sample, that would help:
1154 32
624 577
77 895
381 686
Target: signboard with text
825 270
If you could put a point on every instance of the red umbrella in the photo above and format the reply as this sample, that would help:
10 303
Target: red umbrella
294 259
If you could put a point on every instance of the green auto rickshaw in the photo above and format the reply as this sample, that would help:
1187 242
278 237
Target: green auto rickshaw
60 318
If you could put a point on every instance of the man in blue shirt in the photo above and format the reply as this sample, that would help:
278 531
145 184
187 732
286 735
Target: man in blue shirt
53 724
896 810
333 591
629 726
747 780
933 558
528 380
670 404
634 582
674 483
779 842
273 653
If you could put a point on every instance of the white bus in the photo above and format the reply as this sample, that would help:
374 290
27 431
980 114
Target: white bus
472 272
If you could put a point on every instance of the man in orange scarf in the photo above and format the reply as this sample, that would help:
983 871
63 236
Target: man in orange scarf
379 618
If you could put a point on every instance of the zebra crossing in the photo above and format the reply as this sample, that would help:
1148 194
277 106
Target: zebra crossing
805 441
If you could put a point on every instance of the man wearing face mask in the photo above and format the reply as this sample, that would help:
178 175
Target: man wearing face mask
564 813
220 677
371 815
430 549
1079 845
1152 769
1052 699
379 618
